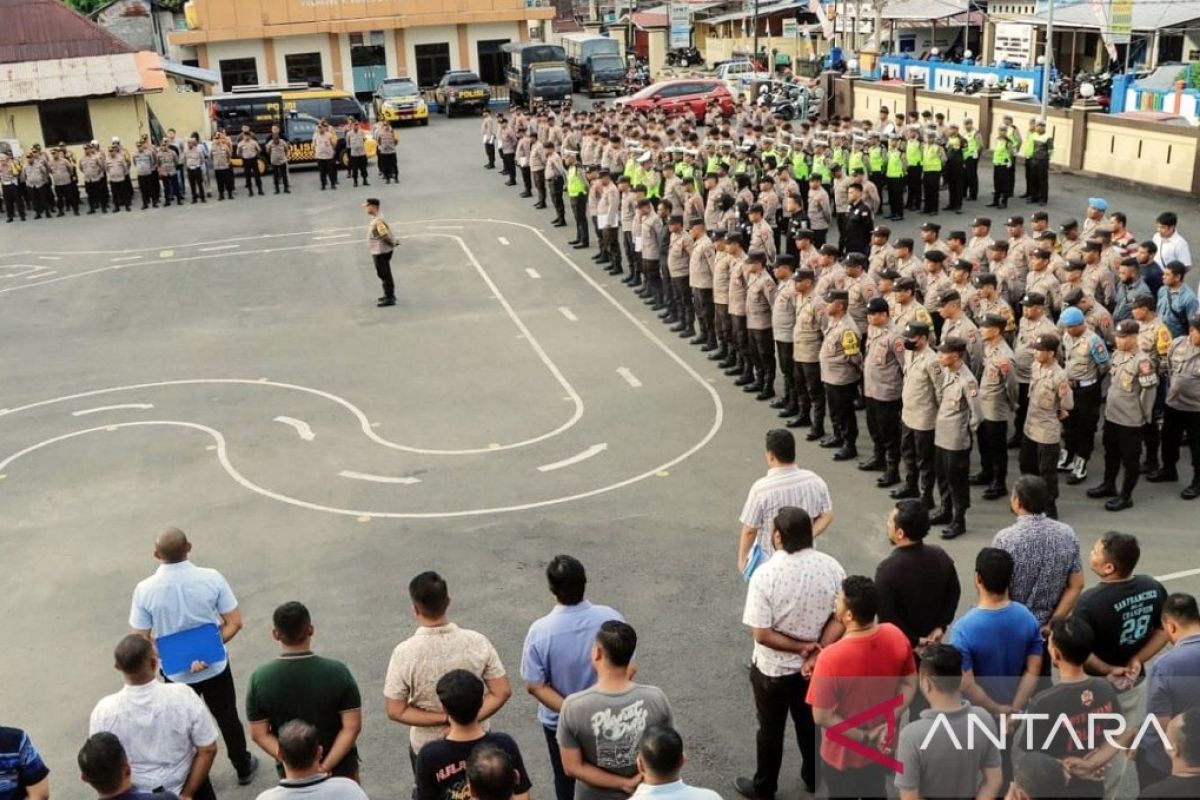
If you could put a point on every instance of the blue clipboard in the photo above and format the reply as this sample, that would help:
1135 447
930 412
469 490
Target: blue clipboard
753 561
177 651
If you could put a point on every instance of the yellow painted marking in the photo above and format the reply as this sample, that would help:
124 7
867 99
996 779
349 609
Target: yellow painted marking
375 424
166 254
210 447
494 446
2 476
111 428
662 474
364 518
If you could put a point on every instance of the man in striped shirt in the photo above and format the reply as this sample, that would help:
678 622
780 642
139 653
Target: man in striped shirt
785 484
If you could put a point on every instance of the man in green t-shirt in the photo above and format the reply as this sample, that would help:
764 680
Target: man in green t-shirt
302 685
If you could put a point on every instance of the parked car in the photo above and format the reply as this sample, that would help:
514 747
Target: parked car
674 97
459 90
399 100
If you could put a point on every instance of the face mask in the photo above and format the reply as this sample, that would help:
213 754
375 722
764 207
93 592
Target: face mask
910 344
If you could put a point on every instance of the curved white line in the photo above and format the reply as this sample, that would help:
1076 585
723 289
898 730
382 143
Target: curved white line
302 428
583 455
98 409
366 476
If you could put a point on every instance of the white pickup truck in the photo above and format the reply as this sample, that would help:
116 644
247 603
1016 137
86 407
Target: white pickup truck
733 71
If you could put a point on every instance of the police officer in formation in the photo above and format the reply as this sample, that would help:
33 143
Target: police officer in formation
973 341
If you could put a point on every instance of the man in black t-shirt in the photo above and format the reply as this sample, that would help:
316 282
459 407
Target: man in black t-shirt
1124 613
1184 735
442 764
1079 699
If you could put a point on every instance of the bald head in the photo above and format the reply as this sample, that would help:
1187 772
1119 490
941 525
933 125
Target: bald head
171 546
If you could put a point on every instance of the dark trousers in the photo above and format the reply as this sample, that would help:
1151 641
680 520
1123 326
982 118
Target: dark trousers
651 276
279 172
741 339
358 169
993 450
1122 449
225 181
1152 436
917 452
971 178
954 185
220 696
883 426
122 192
564 787
250 173
14 204
762 348
895 195
170 189
1079 428
1003 178
489 148
527 180
556 194
1175 424
328 172
819 237
841 410
1041 459
613 247
702 301
148 188
682 299
579 212
867 783
1022 410
388 168
539 183
1038 181
67 197
931 186
383 268
775 699
810 391
914 189
196 184
510 166
951 468
783 355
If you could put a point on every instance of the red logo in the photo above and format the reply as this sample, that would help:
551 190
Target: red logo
886 709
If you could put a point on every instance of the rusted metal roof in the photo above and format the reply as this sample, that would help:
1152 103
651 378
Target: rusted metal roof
44 30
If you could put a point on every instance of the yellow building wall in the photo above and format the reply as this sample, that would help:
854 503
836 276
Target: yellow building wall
1147 154
955 110
111 116
180 108
868 98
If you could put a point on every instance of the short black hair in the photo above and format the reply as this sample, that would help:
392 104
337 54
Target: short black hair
1039 775
491 773
995 569
430 594
1181 607
1188 741
1122 551
912 517
102 762
943 665
618 641
861 597
1168 218
291 620
662 750
298 744
1032 493
133 654
567 579
461 695
1073 637
795 529
782 444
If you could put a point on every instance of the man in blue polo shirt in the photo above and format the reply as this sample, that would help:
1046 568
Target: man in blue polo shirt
23 776
1174 683
557 657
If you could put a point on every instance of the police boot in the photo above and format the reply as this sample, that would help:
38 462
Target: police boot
831 441
1065 461
941 516
1078 471
768 391
1014 441
782 401
1119 503
1192 491
847 452
875 463
1105 489
688 332
995 201
747 376
755 384
956 528
996 490
792 409
980 478
1003 201
720 355
1164 475
890 476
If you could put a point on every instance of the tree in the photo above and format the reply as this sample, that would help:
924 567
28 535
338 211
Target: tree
86 6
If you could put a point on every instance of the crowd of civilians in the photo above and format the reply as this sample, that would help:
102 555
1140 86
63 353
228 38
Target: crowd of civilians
829 649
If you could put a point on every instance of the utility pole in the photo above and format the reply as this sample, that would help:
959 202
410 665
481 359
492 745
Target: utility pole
754 55
1049 56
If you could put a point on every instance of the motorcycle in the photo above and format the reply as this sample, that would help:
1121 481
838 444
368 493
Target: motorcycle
636 79
684 57
785 100
964 86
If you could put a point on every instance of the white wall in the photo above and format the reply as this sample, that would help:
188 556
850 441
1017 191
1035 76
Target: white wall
247 48
484 31
315 43
433 34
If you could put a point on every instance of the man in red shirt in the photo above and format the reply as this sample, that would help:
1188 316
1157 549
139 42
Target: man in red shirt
870 665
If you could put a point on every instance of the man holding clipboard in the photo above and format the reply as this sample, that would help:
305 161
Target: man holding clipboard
191 613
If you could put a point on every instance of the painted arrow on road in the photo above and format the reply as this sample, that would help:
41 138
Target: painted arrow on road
302 428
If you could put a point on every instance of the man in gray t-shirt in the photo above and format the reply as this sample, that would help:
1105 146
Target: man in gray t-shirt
950 751
600 729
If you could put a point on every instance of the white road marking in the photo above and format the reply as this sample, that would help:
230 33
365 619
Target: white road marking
594 450
503 241
125 258
566 312
330 236
26 269
302 428
533 273
219 247
43 274
444 227
98 409
1170 576
364 476
50 258
629 377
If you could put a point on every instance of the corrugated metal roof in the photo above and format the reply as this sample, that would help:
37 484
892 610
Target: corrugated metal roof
41 30
92 76
209 76
763 11
1146 16
922 10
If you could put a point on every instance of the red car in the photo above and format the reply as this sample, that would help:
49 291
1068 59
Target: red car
674 96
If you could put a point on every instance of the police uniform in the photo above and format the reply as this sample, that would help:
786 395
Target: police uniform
116 172
841 371
807 337
193 162
324 149
356 144
1049 400
385 139
10 185
1129 408
760 300
883 386
998 397
958 415
1182 412
679 255
1154 339
145 165
922 394
701 262
783 322
555 174
223 170
381 243
1028 332
248 150
651 226
277 157
37 182
537 168
1087 362
962 328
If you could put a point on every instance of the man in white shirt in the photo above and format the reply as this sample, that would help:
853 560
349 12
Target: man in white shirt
178 597
660 759
301 754
785 484
1171 244
789 607
168 734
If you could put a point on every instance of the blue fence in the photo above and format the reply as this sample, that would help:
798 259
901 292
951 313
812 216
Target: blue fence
940 76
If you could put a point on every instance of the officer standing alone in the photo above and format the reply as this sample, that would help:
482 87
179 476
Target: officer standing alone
381 243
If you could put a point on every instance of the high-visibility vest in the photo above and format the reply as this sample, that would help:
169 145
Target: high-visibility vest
931 159
576 186
912 153
653 183
972 149
875 158
895 164
820 167
799 166
856 162
713 163
1001 157
839 157
1027 146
